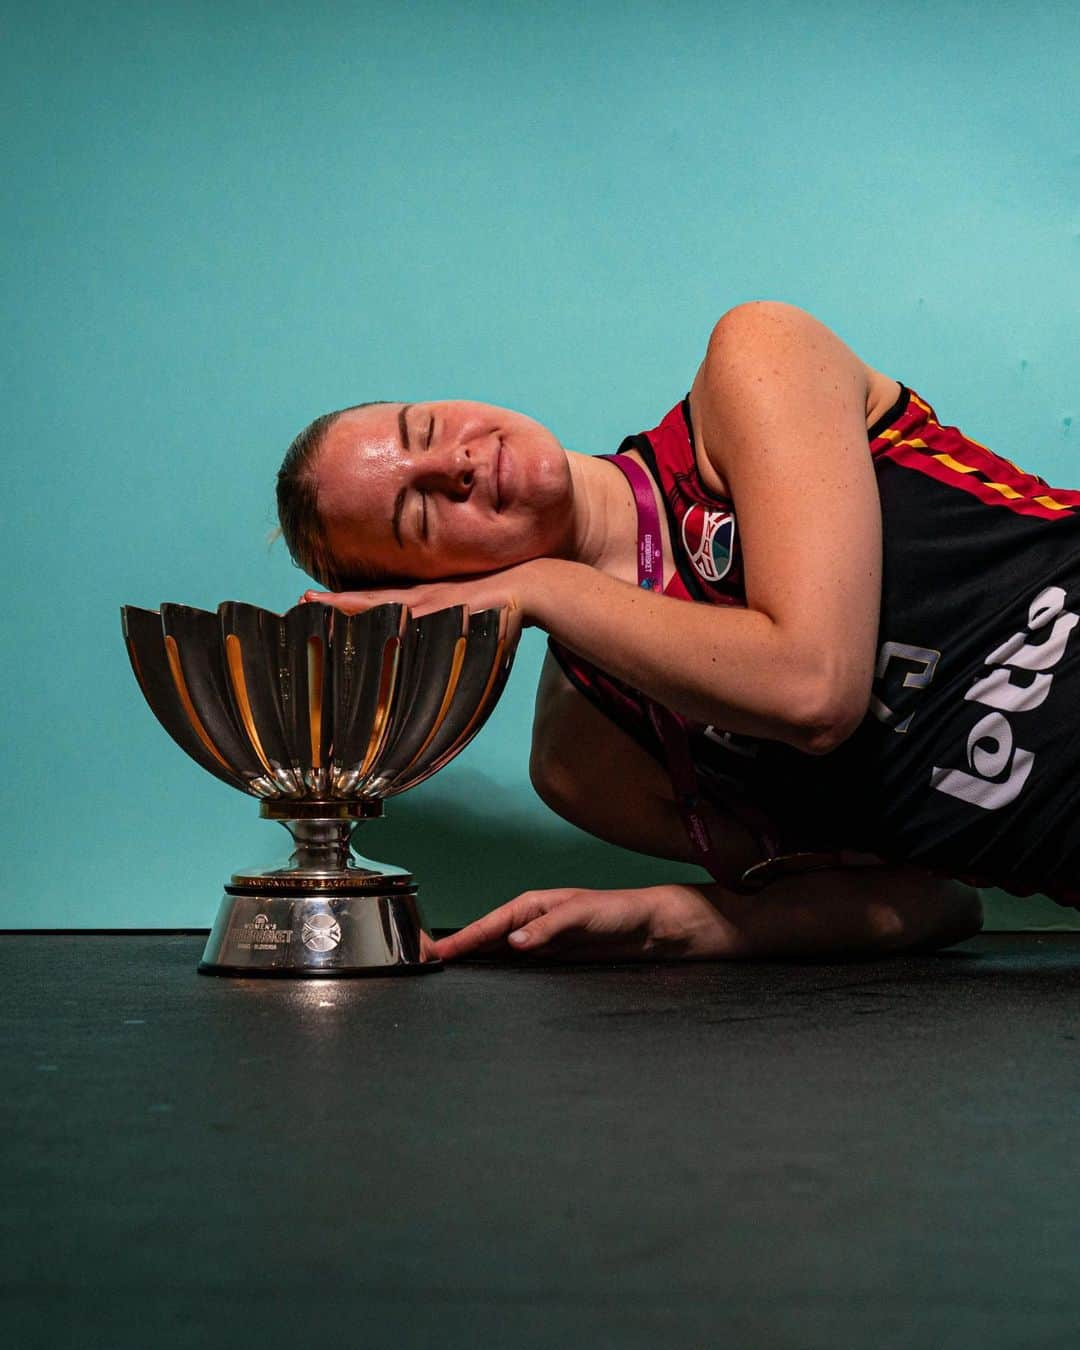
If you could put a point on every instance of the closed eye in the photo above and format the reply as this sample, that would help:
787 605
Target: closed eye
430 433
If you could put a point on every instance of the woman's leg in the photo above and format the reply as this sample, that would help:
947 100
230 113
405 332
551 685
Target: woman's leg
595 776
590 772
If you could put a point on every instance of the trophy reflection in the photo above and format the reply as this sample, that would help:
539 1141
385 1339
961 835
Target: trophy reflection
322 716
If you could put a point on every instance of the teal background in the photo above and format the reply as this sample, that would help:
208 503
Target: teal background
223 218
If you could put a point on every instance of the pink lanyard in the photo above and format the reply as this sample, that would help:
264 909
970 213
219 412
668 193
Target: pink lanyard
670 727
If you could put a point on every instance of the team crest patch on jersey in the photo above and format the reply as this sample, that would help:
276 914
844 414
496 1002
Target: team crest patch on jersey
709 538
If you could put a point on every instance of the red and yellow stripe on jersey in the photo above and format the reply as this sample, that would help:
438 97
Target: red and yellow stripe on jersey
917 440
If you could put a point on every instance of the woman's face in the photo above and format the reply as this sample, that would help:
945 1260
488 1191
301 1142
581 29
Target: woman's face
444 489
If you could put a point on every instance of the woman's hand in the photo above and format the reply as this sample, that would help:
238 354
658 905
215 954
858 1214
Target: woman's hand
516 589
839 914
674 922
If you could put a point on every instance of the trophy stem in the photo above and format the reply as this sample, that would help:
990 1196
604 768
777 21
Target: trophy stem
321 845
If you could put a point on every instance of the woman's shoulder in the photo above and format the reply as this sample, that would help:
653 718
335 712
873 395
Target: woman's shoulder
883 393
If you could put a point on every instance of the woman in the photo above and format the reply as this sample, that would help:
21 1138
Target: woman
859 715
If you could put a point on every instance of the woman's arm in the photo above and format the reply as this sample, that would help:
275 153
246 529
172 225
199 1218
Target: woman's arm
848 912
728 667
780 403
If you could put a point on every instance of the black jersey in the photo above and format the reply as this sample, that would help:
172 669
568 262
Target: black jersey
966 762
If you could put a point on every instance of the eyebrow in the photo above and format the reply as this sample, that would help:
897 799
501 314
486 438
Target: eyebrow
403 430
399 500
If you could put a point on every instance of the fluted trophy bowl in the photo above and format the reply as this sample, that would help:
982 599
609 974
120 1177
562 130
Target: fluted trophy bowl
322 716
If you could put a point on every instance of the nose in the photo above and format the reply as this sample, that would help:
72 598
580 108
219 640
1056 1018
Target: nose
447 471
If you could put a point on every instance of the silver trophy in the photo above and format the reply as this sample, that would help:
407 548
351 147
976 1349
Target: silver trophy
322 716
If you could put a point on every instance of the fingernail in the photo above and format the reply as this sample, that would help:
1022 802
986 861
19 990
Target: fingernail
520 938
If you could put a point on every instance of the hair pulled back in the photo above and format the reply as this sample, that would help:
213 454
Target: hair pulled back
298 510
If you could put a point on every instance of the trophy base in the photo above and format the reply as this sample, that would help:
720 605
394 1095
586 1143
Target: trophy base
318 935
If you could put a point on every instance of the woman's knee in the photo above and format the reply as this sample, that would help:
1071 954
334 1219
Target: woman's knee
619 809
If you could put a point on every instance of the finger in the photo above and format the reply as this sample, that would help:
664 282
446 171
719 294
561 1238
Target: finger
330 598
348 602
589 941
599 950
568 922
490 931
511 621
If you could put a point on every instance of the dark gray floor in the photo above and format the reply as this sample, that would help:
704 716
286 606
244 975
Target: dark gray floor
873 1155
